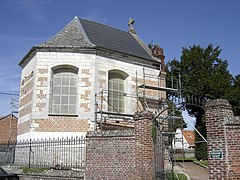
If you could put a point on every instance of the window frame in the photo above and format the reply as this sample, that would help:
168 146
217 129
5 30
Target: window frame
63 73
116 100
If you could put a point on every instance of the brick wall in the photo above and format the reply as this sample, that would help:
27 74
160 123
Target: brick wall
223 135
8 128
110 155
62 124
144 146
121 154
233 146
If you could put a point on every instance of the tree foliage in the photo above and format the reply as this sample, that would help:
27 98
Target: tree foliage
205 76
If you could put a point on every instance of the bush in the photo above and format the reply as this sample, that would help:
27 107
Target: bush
201 151
28 170
180 176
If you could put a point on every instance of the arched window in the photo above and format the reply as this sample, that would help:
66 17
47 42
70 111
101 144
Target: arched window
63 97
116 90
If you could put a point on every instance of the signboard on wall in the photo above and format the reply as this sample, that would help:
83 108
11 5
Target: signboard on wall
216 154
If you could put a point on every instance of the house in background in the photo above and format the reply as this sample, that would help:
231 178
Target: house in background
183 139
8 128
86 74
190 137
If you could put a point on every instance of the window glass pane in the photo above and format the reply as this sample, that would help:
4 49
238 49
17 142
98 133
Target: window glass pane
65 81
64 109
56 80
121 87
72 109
56 99
121 103
56 90
115 85
115 104
56 109
64 100
64 90
73 100
73 81
73 90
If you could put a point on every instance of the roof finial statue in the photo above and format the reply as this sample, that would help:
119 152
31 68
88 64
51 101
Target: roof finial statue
130 24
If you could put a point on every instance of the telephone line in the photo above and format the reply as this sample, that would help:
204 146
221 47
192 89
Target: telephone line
9 94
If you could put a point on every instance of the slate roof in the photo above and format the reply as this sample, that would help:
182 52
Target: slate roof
84 33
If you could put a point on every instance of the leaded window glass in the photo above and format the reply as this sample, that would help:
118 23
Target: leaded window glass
116 92
64 92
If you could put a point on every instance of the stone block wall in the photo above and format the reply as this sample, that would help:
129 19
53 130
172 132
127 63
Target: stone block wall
223 136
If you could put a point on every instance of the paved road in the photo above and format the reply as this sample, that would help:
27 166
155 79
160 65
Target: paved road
194 171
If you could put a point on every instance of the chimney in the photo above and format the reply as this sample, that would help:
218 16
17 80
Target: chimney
157 52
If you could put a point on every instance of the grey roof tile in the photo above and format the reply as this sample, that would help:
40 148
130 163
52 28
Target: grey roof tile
114 39
82 33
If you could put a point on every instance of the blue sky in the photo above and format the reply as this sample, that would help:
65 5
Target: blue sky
172 24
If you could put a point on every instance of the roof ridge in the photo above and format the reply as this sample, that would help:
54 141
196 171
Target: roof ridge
104 25
66 31
81 27
144 46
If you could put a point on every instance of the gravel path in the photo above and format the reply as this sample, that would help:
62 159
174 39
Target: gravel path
195 172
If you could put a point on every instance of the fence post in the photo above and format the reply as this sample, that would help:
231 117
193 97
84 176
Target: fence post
29 155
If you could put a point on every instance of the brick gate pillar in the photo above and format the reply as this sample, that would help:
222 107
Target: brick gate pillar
218 112
144 150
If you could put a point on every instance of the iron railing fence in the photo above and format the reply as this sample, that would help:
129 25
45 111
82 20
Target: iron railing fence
61 153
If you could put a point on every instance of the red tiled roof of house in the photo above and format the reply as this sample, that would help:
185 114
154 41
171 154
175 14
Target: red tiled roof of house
189 136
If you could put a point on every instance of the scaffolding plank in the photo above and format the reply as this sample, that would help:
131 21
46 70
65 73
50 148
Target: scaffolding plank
115 113
158 88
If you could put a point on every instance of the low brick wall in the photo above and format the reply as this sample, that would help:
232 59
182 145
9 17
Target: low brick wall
121 154
110 154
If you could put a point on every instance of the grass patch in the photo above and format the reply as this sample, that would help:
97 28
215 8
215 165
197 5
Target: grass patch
180 176
28 170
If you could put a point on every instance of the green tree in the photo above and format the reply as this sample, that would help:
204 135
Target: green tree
204 76
234 96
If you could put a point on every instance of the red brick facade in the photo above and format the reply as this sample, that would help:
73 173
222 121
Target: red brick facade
223 133
144 146
110 155
121 154
8 128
